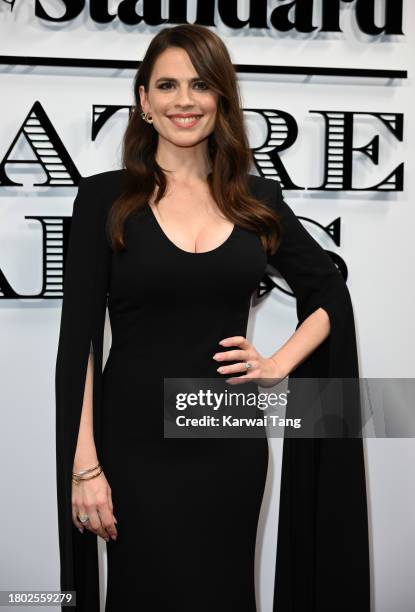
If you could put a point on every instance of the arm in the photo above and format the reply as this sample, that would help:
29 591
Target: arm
78 387
324 343
86 453
308 336
318 347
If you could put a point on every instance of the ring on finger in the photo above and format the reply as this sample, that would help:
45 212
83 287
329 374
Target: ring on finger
83 518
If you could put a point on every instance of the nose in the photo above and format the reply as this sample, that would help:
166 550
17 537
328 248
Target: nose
184 95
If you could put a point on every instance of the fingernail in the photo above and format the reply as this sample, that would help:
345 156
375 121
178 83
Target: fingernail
115 520
81 529
114 537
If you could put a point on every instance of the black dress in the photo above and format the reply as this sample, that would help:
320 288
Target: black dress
188 510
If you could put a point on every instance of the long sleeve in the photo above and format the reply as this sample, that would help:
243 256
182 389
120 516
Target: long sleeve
322 560
85 287
316 282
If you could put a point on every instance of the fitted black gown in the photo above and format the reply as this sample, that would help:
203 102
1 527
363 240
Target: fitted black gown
188 510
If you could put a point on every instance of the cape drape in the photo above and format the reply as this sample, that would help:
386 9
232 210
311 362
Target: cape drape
322 554
322 561
85 287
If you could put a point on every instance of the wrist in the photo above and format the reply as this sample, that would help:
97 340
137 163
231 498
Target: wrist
84 463
281 368
88 474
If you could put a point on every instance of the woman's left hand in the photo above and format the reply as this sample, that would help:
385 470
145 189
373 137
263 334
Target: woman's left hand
261 367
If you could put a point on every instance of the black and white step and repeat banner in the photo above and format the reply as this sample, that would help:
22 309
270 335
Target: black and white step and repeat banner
328 95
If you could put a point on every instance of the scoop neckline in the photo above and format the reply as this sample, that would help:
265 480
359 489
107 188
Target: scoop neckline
177 248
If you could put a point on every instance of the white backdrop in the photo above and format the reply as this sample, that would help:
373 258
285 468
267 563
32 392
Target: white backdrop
376 243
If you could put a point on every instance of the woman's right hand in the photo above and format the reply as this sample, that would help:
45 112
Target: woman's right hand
93 497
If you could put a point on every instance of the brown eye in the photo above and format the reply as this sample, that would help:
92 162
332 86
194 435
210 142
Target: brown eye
203 85
161 86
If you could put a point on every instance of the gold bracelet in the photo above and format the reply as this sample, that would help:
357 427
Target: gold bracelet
86 471
76 479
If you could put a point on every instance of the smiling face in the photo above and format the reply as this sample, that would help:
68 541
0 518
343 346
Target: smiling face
181 104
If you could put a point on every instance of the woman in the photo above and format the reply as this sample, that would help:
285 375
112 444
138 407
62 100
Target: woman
178 241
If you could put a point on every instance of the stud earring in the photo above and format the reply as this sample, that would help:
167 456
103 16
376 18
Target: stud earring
146 117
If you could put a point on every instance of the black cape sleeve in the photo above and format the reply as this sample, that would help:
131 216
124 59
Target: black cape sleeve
322 560
85 285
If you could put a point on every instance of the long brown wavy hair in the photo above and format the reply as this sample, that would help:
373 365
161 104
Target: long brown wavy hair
228 146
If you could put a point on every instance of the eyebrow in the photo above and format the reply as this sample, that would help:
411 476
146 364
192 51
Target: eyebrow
167 78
